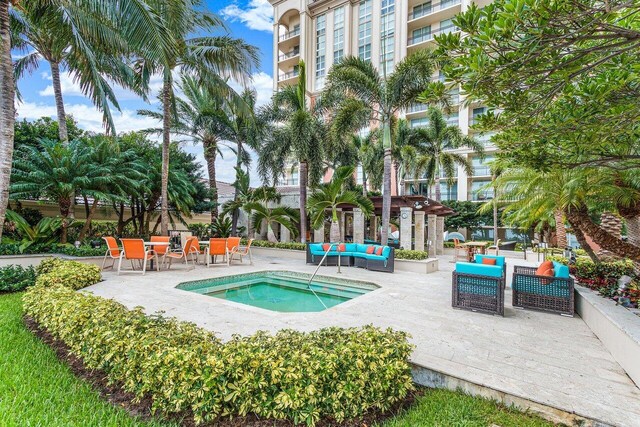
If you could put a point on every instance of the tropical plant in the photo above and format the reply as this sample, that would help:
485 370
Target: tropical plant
262 214
58 171
359 95
211 60
244 195
45 232
433 152
296 133
221 226
331 196
15 278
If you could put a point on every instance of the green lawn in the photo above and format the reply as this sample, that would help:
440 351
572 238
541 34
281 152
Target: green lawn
38 390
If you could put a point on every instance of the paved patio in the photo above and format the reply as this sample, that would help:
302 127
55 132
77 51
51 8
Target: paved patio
545 358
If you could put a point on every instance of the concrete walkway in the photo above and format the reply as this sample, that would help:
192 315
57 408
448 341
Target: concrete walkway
544 358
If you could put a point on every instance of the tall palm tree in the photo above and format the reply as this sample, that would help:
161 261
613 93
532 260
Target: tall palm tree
210 59
262 214
297 132
244 196
359 95
432 154
7 109
331 196
44 33
203 116
95 23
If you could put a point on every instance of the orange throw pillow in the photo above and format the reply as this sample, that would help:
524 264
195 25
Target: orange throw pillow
326 247
547 265
489 261
342 247
379 251
370 250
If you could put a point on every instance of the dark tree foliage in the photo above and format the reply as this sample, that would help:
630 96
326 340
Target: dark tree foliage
467 215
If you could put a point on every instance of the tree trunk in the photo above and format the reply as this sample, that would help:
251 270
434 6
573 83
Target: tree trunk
386 198
236 212
437 188
633 230
611 223
364 183
271 236
166 142
210 154
304 175
7 109
561 231
87 223
334 233
57 91
579 218
495 213
582 240
64 213
396 173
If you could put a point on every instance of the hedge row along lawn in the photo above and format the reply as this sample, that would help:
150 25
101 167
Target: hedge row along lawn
296 246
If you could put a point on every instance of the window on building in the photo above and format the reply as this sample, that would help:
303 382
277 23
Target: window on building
481 167
321 41
479 192
447 26
364 30
452 119
421 10
422 121
387 36
421 34
338 34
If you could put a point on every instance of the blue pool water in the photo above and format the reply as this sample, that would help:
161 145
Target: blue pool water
280 290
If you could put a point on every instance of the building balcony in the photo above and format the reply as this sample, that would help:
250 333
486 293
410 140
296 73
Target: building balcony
289 59
482 171
429 15
480 195
289 34
288 75
422 41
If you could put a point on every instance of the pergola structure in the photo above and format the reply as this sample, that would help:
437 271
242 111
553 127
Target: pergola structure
418 215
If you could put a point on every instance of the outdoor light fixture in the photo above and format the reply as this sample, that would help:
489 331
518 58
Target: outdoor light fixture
418 205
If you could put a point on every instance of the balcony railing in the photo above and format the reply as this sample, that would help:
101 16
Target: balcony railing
481 171
481 196
288 55
290 34
289 75
426 37
433 8
418 107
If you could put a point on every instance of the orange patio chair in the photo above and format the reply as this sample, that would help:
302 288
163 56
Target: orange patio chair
113 251
217 247
160 250
134 250
457 246
232 245
181 253
242 252
196 250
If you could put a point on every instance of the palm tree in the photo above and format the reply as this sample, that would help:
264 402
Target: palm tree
297 132
245 195
333 195
210 59
285 216
432 155
44 33
57 171
133 26
359 95
203 116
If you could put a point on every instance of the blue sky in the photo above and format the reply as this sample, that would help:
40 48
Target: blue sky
249 19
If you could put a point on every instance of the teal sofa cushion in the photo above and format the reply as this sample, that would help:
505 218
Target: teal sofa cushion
362 248
315 246
500 260
560 270
351 247
479 269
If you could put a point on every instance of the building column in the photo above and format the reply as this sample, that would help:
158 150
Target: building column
358 225
431 234
406 221
419 227
373 228
440 235
285 234
318 235
341 223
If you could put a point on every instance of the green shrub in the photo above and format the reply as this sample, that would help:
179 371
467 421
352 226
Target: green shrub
587 269
14 278
72 274
296 246
558 258
302 377
54 248
411 255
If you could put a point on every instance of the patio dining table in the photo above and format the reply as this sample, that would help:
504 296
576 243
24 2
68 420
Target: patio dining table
475 248
152 244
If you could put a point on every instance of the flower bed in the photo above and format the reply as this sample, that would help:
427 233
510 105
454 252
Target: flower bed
332 373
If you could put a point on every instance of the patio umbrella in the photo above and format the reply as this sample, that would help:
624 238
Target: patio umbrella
454 235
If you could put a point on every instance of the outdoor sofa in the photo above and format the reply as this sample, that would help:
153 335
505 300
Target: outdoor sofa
478 286
353 255
554 294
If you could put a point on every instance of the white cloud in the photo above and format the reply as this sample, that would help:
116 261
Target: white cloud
257 14
262 83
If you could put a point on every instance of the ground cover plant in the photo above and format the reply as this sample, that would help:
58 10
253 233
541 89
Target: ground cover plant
15 278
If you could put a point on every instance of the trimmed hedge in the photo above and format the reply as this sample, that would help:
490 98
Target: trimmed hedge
72 274
15 278
55 248
303 377
399 253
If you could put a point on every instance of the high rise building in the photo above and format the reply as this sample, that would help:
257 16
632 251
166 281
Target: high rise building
321 32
